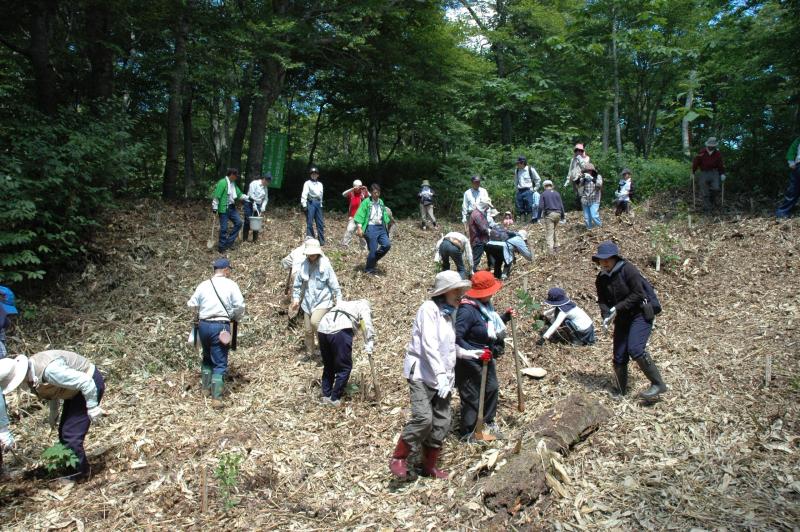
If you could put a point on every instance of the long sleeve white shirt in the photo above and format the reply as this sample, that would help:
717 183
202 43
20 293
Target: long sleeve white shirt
294 260
465 247
579 319
527 177
59 374
258 194
350 315
316 285
432 348
312 190
471 198
209 307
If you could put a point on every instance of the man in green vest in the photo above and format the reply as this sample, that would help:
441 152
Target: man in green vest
373 222
223 203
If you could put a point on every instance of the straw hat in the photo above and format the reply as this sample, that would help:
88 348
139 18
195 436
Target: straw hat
484 285
12 372
446 281
426 183
312 247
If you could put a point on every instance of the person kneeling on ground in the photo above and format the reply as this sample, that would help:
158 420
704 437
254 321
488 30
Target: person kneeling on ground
335 336
568 322
60 375
428 367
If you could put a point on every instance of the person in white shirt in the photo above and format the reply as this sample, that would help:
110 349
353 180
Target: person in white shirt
335 336
311 201
429 369
256 202
568 322
526 183
218 302
456 246
317 286
472 196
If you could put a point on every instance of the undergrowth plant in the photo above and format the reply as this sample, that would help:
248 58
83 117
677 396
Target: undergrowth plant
531 307
665 245
58 457
227 474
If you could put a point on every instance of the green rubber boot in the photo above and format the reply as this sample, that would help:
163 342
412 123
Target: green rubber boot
205 378
217 386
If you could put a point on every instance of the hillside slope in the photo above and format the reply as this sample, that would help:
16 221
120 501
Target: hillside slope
719 450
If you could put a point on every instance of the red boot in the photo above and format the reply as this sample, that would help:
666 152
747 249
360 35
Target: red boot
398 465
430 455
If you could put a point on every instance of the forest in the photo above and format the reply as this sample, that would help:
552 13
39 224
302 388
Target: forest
102 100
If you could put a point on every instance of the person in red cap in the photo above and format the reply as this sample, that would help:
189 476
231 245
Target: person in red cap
479 326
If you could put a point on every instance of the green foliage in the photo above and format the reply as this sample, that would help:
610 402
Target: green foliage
59 457
666 245
227 474
531 307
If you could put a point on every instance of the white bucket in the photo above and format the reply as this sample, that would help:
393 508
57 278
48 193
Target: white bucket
255 222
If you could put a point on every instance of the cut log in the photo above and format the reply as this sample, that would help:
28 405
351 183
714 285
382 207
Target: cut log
523 479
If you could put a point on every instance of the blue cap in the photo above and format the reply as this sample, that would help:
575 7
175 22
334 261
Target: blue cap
556 297
221 264
268 175
8 299
606 250
522 159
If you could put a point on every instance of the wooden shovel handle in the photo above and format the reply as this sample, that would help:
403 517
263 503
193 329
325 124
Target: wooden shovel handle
520 401
484 374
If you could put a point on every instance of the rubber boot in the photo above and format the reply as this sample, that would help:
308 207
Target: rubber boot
217 386
430 455
650 371
205 378
621 374
245 233
398 464
255 236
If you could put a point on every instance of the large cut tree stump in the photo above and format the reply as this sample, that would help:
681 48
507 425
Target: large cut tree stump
523 479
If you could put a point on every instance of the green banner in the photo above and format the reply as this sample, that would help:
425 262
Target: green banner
275 157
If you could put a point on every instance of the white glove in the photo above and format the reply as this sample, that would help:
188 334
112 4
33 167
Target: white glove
7 439
562 222
442 386
792 164
95 413
610 317
244 197
722 177
368 348
469 354
491 331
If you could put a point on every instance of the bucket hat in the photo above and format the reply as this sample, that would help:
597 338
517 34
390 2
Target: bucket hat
547 183
9 301
484 285
446 281
589 167
426 183
357 183
12 372
711 142
579 146
556 297
312 247
625 171
606 250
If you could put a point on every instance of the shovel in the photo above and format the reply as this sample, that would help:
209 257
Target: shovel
375 388
536 373
520 401
210 243
478 434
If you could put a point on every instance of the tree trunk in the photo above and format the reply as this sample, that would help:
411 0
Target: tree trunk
273 75
219 133
523 479
373 138
316 135
686 141
239 132
189 182
289 127
606 127
99 52
617 127
43 13
172 166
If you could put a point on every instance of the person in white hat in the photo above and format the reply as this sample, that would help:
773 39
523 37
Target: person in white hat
472 196
425 196
428 367
315 290
712 173
576 167
355 196
63 375
12 373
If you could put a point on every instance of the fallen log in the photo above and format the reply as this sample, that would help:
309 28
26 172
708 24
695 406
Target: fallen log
526 475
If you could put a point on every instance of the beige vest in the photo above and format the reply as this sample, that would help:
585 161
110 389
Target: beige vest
40 361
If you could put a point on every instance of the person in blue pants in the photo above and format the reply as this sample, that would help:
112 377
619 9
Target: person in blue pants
311 201
792 194
373 222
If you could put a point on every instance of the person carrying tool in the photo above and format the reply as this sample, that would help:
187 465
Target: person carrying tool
792 194
335 336
479 327
568 322
217 302
472 197
428 367
256 202
317 286
425 196
712 173
311 201
526 183
57 375
355 196
223 203
622 300
551 208
456 246
8 309
576 168
479 230
373 221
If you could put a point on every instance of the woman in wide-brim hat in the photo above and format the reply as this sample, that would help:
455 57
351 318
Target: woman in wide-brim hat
428 367
479 327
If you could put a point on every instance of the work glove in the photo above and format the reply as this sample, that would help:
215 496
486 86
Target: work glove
486 355
7 442
491 331
469 354
442 386
608 319
508 315
368 348
722 177
95 413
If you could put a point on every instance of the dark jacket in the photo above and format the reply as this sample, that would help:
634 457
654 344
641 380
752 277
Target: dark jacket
550 201
620 289
472 331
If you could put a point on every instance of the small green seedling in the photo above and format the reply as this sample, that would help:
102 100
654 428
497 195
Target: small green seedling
59 457
531 307
227 473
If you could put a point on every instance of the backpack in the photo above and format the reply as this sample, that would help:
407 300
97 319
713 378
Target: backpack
651 306
426 195
499 234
